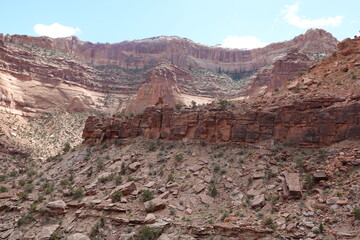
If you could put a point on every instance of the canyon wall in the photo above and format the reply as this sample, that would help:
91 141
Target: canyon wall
181 51
310 123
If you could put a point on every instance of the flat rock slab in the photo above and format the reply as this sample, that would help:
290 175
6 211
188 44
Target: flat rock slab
258 201
77 236
292 185
125 189
47 231
134 166
319 175
199 188
206 199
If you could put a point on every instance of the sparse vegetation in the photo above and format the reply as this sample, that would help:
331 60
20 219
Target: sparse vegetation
146 195
116 196
148 233
212 190
357 213
67 147
179 106
78 193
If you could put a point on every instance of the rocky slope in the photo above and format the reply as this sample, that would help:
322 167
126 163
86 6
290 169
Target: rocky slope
141 189
227 170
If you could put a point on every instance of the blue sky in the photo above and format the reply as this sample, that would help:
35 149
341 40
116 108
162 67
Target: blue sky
242 24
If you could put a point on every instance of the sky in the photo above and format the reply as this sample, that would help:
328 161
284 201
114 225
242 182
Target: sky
229 23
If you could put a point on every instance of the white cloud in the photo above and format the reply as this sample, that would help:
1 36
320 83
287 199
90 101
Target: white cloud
55 30
305 23
242 42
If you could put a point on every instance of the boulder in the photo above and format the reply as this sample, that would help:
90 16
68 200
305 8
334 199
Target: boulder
58 205
156 204
258 201
125 189
292 185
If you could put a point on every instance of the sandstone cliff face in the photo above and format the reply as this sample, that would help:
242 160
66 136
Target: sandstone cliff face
161 86
55 70
310 123
280 72
320 107
182 52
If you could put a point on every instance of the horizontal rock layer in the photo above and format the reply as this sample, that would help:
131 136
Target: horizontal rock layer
310 123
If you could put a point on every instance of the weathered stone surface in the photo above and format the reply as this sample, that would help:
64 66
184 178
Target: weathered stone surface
292 185
47 231
150 218
332 121
319 175
125 189
258 201
77 236
157 203
134 166
57 205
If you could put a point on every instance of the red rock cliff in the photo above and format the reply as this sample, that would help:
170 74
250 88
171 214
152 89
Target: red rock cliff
312 122
182 52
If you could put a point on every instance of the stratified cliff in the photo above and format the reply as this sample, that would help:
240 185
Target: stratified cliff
70 74
319 107
182 52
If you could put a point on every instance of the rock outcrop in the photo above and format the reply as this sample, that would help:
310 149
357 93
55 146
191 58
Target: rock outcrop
161 85
314 122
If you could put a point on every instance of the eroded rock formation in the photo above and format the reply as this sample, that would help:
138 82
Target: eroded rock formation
162 84
312 122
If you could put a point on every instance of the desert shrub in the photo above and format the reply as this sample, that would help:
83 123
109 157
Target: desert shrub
28 188
269 222
148 233
357 213
309 181
224 103
146 195
78 193
22 182
212 190
116 196
100 164
179 106
179 157
3 189
66 147
3 178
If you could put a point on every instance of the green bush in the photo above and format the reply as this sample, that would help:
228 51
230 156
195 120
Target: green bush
179 106
269 222
3 178
3 189
146 195
116 197
28 188
78 193
100 164
212 190
148 233
22 182
357 213
66 147
179 157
